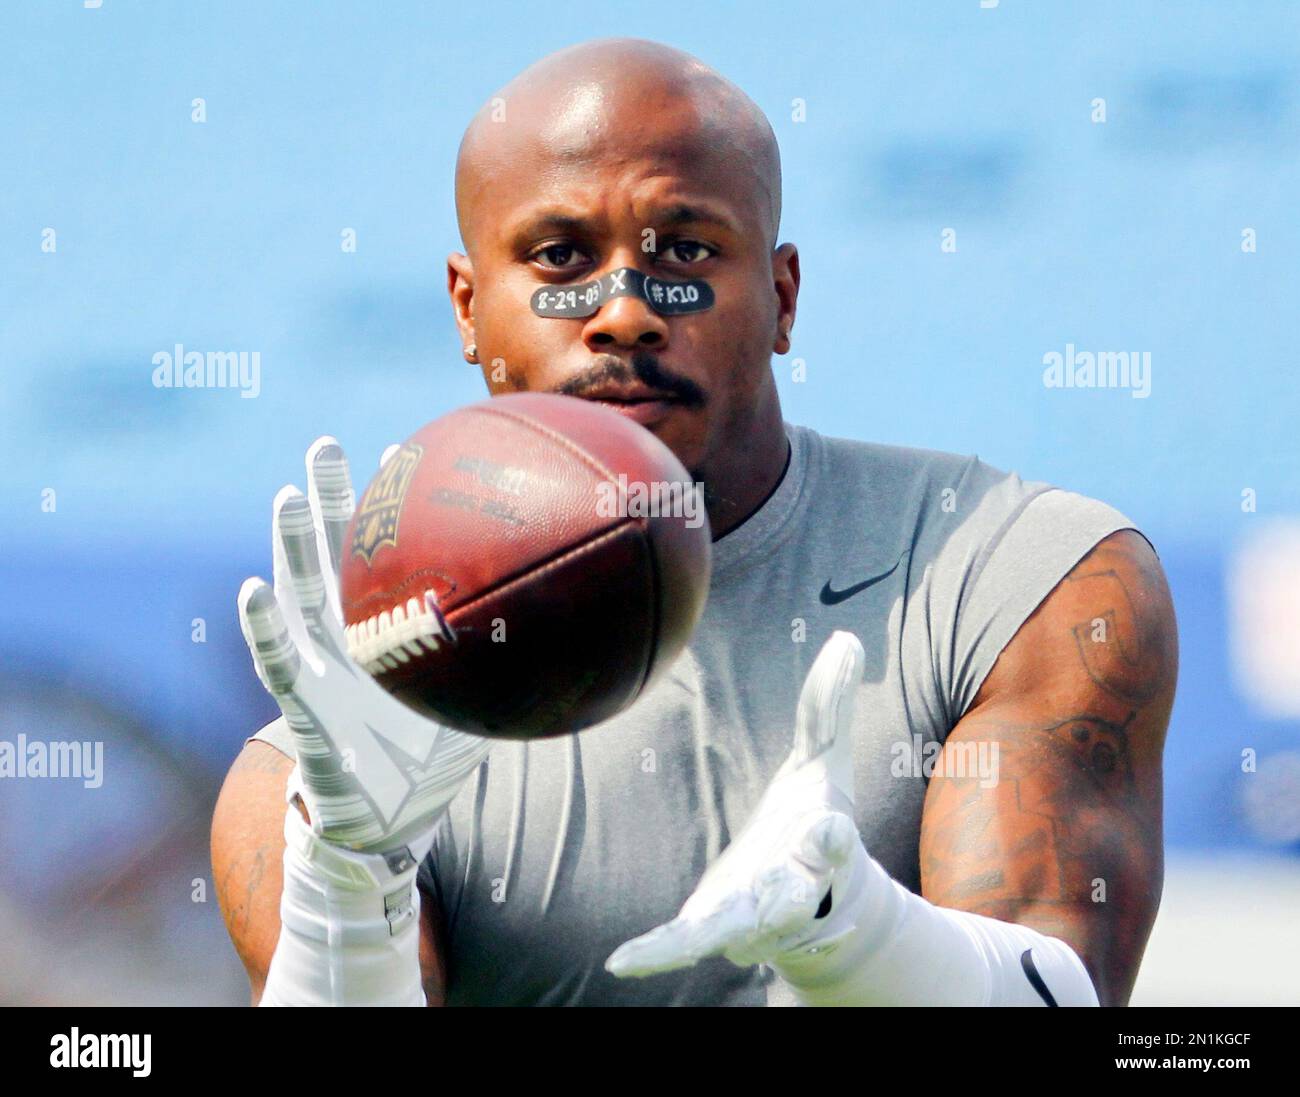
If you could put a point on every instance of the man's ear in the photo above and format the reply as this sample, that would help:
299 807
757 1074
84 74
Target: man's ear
460 288
785 280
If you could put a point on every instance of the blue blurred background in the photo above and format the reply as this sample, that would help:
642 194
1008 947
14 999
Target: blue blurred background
1168 227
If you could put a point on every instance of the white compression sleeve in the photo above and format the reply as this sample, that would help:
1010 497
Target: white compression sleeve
349 925
901 949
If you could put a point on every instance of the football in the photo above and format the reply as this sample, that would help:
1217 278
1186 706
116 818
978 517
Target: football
525 567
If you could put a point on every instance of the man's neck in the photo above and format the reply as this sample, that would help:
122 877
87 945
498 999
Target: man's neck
752 469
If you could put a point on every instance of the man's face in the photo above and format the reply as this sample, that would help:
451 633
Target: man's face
578 199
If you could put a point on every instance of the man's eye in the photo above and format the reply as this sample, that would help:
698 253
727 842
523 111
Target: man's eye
557 255
689 251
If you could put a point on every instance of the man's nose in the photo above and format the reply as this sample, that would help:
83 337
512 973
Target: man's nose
627 322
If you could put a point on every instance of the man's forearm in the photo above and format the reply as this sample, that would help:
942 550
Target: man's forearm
349 926
902 950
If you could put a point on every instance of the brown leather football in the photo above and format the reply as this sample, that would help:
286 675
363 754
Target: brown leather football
525 567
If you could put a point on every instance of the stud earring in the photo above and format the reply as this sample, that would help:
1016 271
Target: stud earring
471 353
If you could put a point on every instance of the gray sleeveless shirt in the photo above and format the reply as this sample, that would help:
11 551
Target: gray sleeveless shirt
557 851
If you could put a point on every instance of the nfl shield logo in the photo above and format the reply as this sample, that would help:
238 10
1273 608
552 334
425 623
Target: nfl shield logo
382 504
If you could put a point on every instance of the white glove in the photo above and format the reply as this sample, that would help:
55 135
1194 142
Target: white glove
875 942
761 897
373 774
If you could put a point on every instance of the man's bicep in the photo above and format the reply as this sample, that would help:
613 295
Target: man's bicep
1059 826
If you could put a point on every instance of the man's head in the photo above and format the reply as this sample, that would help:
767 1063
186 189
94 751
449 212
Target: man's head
625 153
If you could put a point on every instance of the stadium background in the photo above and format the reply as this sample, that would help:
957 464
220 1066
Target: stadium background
225 235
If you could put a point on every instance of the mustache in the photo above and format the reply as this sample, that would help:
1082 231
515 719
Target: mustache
644 367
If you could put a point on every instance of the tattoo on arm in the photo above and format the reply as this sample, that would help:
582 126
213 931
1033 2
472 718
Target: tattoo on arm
1124 650
1067 840
239 908
247 850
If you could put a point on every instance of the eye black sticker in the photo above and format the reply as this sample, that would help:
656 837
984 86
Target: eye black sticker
666 298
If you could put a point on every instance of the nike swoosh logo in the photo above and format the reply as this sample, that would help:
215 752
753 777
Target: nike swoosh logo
835 597
1035 979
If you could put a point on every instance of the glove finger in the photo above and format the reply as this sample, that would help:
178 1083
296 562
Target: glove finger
821 713
275 656
826 846
329 492
664 948
728 926
295 534
825 713
686 940
285 594
787 900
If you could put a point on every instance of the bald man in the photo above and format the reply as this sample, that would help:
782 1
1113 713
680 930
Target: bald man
977 822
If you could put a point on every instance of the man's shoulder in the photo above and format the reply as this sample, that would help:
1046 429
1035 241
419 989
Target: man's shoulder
898 481
900 462
954 510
